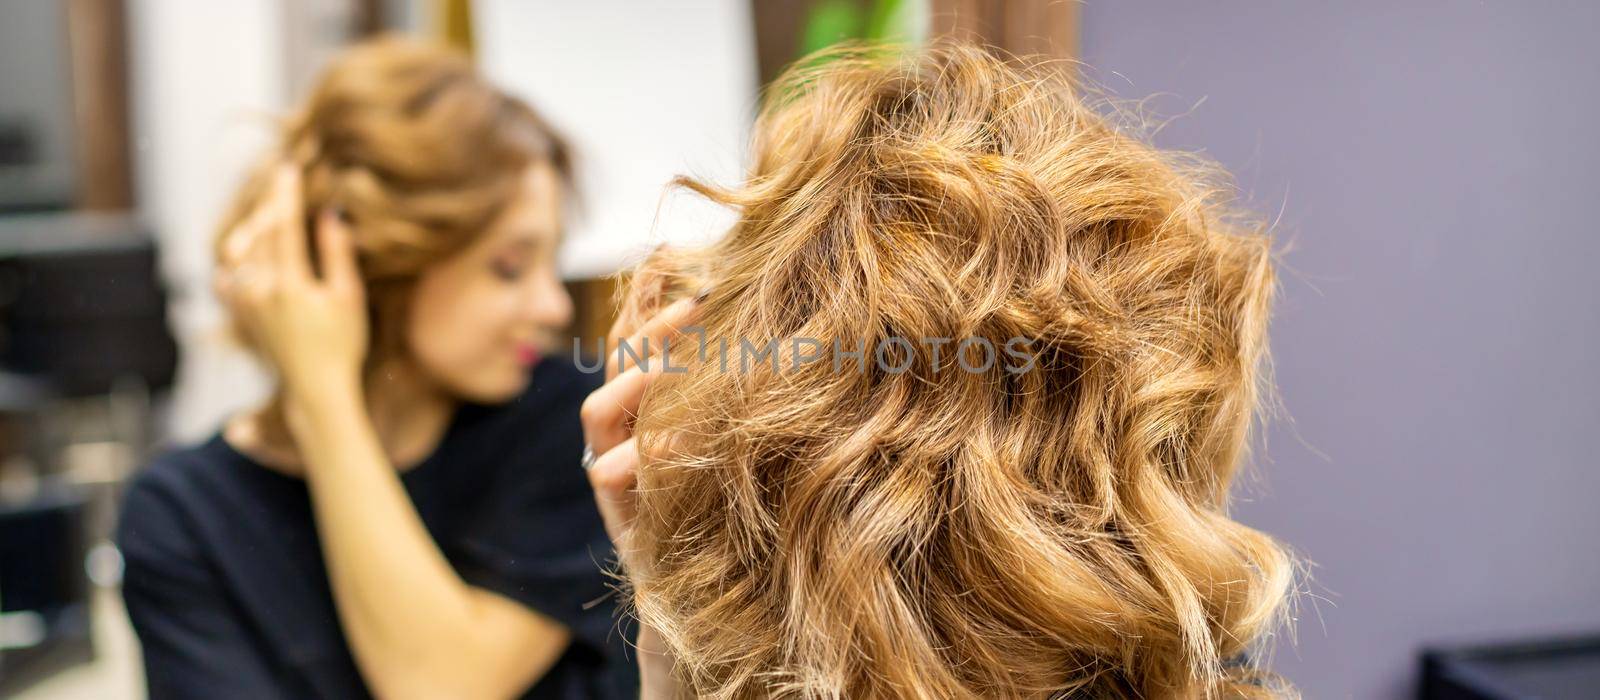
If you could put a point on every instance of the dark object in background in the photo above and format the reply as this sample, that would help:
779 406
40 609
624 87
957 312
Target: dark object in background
1544 670
82 318
81 304
43 587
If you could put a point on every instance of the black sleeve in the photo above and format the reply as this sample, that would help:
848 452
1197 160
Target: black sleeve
195 643
538 537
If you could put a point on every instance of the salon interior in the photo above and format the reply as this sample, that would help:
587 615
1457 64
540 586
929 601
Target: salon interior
1426 167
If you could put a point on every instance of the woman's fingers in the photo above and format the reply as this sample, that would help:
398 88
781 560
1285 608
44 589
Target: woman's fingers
653 337
252 274
336 249
608 413
612 478
240 242
293 258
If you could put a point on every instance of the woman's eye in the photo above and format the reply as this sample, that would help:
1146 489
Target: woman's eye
509 272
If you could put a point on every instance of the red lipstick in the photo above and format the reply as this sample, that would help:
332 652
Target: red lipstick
528 355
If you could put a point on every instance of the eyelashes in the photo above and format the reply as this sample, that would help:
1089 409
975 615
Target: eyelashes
507 271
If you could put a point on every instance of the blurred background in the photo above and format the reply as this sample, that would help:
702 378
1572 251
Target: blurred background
1431 165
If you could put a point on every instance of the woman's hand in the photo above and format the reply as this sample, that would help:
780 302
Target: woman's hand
608 417
313 330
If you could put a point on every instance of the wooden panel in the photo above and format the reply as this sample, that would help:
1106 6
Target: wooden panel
1019 27
370 18
96 35
968 20
1044 28
777 26
595 307
455 23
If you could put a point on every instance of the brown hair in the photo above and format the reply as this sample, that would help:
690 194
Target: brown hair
810 532
417 150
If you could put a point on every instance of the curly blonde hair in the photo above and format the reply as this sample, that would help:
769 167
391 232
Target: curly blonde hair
810 532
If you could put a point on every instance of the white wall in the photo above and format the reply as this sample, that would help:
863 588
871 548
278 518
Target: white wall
207 79
646 91
36 97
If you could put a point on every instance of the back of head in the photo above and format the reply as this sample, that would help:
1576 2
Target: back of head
1054 526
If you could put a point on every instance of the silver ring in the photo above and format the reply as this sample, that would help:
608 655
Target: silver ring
588 458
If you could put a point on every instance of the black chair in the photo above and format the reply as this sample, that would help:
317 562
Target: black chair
44 592
1556 669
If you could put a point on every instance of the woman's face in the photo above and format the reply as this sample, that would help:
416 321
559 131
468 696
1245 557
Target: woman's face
482 318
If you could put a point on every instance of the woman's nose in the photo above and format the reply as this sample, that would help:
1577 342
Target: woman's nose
551 306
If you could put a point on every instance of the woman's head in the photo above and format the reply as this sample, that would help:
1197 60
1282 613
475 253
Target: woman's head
840 528
454 192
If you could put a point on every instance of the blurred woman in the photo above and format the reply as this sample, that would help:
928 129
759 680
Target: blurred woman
1015 355
406 517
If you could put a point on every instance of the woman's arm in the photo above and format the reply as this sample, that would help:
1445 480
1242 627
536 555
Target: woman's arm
415 627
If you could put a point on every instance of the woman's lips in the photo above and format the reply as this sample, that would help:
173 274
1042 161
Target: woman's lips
528 355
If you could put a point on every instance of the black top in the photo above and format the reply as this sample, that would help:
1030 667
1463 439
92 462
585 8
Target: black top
227 589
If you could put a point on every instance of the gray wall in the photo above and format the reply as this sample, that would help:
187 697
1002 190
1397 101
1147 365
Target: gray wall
1435 165
36 103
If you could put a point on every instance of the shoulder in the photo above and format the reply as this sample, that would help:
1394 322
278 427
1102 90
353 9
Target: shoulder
158 492
157 519
154 531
